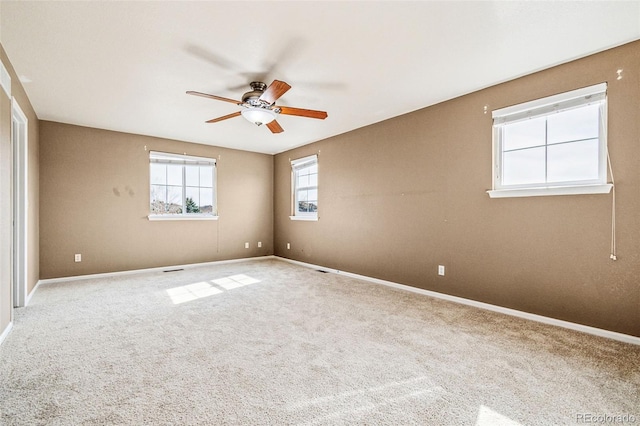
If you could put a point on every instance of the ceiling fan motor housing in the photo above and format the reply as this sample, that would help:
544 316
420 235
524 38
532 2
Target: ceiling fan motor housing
253 97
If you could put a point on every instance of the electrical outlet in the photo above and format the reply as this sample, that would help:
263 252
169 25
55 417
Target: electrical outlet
288 246
78 258
246 245
441 270
259 243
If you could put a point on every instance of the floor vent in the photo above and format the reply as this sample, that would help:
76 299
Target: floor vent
324 272
174 270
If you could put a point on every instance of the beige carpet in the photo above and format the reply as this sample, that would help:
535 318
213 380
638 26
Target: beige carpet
268 342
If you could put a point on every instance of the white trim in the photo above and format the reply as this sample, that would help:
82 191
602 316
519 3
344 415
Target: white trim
172 158
20 173
5 80
310 218
304 160
30 295
188 216
596 89
141 271
6 332
626 338
551 190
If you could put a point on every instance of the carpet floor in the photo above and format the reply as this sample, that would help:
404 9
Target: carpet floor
266 342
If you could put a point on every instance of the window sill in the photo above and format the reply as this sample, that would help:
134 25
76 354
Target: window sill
551 190
180 217
307 218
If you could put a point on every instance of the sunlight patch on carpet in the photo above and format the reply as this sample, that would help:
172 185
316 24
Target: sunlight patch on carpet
187 293
235 281
358 402
190 292
488 417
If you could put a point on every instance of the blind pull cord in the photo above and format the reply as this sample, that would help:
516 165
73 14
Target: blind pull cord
613 255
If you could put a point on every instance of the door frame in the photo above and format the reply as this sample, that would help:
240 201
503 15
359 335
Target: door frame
19 146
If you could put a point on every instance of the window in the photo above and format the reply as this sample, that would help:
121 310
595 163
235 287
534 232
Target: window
304 175
182 186
552 146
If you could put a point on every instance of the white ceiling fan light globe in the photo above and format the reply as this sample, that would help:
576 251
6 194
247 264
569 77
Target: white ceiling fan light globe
258 116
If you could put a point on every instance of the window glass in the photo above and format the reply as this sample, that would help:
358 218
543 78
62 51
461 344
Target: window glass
524 134
158 199
552 142
192 176
523 166
181 185
206 176
174 174
206 200
305 183
158 174
573 125
573 161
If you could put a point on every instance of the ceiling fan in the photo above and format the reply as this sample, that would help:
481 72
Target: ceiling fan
258 105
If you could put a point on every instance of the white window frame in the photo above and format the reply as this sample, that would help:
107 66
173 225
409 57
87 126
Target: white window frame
297 165
596 94
185 160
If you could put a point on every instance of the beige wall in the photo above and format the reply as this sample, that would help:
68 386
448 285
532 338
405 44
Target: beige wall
400 197
95 201
6 158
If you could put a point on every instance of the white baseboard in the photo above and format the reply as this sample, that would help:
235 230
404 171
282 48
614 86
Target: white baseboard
140 271
6 332
30 295
469 302
626 338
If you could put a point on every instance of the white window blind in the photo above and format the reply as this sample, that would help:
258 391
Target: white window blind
169 158
550 105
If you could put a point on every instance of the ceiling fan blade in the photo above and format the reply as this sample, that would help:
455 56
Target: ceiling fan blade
274 91
274 126
215 120
218 98
309 113
210 56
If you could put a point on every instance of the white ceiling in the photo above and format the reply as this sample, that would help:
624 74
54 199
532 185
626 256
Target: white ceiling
126 65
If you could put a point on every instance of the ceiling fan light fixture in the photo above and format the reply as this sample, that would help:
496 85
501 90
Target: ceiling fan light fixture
258 116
